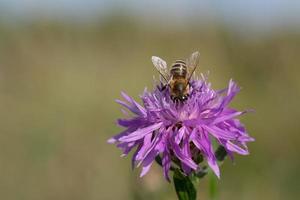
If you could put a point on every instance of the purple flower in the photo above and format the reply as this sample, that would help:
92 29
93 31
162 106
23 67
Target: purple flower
181 132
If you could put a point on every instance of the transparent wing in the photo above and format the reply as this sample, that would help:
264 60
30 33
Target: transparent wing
192 63
161 67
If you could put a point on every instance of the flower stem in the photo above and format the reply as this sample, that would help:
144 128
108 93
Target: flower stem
184 187
213 190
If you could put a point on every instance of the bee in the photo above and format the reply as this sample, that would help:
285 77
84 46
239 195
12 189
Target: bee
178 77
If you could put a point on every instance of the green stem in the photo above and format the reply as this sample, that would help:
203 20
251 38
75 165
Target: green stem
184 187
213 190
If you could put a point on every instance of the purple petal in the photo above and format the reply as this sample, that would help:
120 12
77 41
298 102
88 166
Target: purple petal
145 169
129 107
147 143
122 134
111 140
140 133
233 147
179 135
202 142
186 151
182 157
246 138
148 146
148 161
233 89
213 165
220 133
137 106
226 117
166 163
131 122
133 159
126 147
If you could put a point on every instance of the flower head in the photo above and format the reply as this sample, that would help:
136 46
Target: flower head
181 134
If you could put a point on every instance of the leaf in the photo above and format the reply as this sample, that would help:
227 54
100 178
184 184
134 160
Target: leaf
184 187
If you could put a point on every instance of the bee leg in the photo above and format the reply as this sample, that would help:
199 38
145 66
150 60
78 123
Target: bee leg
187 96
162 88
173 99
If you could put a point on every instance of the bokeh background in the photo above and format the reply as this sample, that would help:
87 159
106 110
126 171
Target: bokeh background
62 64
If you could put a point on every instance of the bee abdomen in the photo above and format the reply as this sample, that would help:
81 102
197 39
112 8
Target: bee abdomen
179 68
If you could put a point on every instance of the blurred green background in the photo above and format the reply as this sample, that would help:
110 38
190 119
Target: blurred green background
62 64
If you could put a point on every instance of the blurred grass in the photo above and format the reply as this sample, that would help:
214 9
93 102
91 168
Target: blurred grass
58 83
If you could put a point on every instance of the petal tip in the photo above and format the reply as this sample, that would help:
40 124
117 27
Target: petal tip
111 140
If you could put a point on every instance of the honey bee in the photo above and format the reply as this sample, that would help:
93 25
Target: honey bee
178 77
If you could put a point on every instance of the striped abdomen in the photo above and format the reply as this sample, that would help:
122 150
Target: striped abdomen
179 69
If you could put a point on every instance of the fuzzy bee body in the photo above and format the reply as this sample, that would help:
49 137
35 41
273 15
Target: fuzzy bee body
179 83
178 77
179 69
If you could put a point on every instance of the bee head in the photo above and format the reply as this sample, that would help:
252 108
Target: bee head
180 98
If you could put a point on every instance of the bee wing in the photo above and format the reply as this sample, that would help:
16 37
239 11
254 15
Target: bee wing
192 63
161 67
